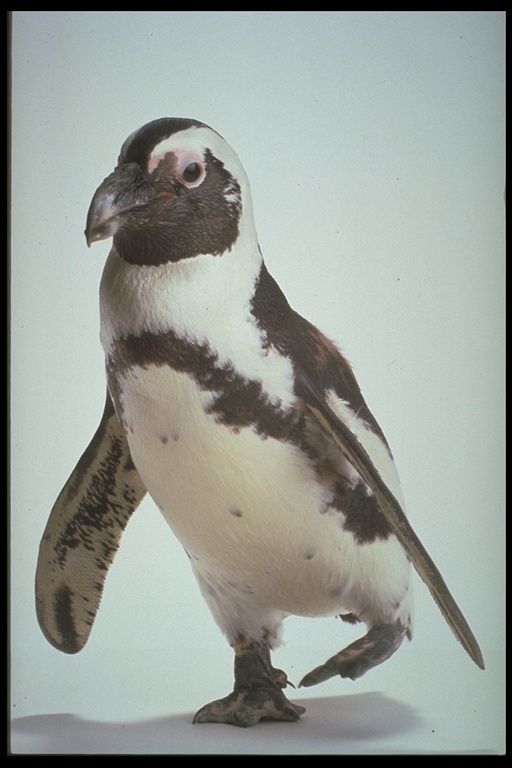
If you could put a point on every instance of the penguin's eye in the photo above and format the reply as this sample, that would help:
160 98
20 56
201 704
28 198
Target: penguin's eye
192 173
191 169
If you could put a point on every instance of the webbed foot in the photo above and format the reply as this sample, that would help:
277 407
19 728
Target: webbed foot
247 708
257 694
357 658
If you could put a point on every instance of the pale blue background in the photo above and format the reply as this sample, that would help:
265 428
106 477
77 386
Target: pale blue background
374 145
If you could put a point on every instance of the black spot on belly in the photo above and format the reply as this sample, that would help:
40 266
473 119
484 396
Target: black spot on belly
309 555
164 439
235 512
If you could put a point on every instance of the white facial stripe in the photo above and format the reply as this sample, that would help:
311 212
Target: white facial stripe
155 160
199 139
183 157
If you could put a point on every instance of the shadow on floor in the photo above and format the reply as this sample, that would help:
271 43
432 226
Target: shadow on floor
331 725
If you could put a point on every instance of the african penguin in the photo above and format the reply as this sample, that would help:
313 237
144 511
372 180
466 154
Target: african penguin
243 422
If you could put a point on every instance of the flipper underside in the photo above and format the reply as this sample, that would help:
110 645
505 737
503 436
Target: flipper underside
83 534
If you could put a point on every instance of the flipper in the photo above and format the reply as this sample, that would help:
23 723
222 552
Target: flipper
354 451
83 534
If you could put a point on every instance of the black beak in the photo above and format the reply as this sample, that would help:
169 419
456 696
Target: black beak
125 189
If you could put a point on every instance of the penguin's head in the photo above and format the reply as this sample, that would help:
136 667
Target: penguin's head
178 191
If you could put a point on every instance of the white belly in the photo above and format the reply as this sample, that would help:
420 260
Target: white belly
247 510
252 516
